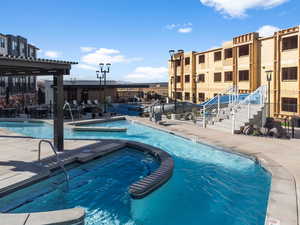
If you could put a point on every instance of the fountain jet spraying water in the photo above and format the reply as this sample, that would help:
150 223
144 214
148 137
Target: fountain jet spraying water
67 104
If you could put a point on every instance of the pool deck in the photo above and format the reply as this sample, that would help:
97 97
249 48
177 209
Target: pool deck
280 157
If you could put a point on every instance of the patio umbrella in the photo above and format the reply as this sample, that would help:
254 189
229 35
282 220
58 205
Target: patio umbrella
7 95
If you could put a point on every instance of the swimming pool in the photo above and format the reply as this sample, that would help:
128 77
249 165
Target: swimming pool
208 186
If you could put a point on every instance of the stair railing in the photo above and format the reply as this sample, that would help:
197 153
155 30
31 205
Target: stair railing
256 99
212 108
59 162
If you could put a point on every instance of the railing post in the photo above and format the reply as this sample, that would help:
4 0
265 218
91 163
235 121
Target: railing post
218 104
233 121
249 110
204 117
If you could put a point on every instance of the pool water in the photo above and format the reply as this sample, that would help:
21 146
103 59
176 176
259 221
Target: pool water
209 186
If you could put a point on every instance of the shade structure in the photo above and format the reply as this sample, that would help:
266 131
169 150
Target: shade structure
20 66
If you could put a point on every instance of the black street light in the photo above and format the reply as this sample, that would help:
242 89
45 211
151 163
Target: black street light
175 62
269 79
104 69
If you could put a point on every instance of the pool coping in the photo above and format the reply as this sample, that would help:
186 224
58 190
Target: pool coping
283 192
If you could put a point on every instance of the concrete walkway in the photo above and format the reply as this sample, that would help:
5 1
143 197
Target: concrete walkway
283 152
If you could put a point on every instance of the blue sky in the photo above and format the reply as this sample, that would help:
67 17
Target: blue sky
135 35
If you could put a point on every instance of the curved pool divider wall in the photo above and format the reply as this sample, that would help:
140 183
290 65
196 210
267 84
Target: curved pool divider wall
156 179
73 216
94 121
99 129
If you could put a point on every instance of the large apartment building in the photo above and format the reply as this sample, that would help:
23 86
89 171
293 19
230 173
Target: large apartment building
18 87
243 62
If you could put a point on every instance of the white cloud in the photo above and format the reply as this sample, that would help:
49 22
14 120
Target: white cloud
185 30
267 30
238 8
52 54
181 28
86 67
148 74
87 49
105 55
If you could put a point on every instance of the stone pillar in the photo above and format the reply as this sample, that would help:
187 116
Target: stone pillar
58 113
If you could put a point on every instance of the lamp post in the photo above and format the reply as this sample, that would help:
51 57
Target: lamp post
175 62
104 69
269 78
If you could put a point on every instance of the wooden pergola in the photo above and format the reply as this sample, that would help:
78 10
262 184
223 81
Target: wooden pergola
20 66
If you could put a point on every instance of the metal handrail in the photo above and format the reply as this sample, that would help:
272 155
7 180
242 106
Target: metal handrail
57 159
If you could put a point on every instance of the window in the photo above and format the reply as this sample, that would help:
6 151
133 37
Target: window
201 78
228 76
187 78
179 95
177 62
217 77
187 61
289 73
290 43
244 75
228 53
186 96
289 104
201 59
2 43
178 79
218 56
14 45
244 50
201 97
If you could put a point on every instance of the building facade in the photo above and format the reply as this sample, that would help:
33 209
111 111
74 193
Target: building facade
243 61
18 89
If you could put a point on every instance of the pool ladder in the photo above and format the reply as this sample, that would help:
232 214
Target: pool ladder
59 162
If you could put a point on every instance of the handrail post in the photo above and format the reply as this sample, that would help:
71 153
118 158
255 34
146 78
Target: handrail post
233 121
249 110
218 104
204 117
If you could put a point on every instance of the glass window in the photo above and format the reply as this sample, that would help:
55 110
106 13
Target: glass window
289 73
244 50
217 56
228 76
228 53
187 61
217 77
244 75
187 96
201 78
187 78
201 59
290 43
201 97
289 104
2 43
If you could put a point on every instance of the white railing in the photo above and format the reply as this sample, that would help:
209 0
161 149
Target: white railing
245 110
212 108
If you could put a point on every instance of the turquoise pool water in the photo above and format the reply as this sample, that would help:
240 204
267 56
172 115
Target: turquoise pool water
208 187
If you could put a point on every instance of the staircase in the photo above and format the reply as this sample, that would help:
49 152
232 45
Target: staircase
251 110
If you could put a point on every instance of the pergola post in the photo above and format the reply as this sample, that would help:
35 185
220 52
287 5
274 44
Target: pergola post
58 113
